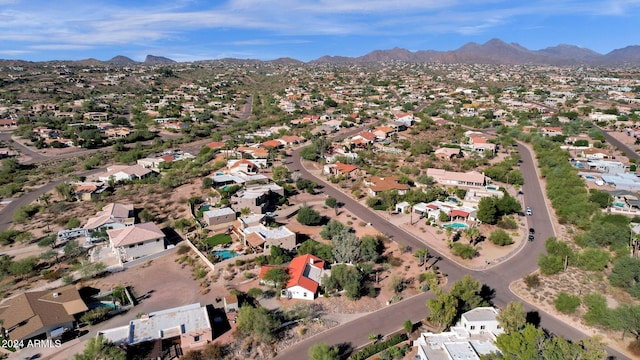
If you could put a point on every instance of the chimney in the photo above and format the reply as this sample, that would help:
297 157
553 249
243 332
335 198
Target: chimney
311 260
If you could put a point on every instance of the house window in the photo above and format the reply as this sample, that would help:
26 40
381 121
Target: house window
305 294
482 327
157 240
132 246
472 327
197 338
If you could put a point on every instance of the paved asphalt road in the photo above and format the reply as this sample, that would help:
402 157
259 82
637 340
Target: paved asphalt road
630 153
498 278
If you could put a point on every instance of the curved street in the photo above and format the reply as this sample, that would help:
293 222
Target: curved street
498 277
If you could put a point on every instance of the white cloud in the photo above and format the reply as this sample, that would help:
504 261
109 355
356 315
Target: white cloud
75 24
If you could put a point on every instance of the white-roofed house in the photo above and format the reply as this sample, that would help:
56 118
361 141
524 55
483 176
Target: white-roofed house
136 241
189 326
473 336
125 173
220 216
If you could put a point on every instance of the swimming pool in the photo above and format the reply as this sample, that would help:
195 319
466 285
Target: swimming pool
225 254
618 204
102 304
456 225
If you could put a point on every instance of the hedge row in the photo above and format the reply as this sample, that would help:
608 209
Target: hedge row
375 348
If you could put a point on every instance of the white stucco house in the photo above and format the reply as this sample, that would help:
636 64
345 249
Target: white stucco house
136 241
305 274
473 336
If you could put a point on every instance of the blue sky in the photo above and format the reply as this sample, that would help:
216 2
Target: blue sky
186 30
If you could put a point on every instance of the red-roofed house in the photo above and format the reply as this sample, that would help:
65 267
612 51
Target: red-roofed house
273 144
340 169
365 137
382 132
305 274
457 214
292 139
378 184
216 145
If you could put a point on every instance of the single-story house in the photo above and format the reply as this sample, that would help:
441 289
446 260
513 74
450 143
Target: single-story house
260 237
37 314
188 326
447 153
125 173
340 169
469 179
136 241
378 184
89 191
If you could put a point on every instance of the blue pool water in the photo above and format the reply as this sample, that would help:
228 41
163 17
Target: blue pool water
618 204
102 304
225 254
204 207
455 225
589 177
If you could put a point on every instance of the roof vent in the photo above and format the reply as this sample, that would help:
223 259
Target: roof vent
56 294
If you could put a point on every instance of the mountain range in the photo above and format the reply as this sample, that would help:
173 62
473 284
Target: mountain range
494 51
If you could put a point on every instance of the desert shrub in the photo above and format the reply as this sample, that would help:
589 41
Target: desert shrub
464 251
566 303
532 281
95 316
500 237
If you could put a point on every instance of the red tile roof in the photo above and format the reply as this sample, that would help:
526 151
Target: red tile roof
272 144
215 145
345 168
297 270
459 213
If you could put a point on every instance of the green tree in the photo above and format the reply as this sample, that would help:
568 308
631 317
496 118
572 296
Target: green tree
48 241
513 317
322 351
521 345
332 229
277 276
65 191
627 318
332 203
308 216
100 348
371 248
626 274
280 173
207 183
442 309
345 247
468 292
602 198
407 326
257 322
487 211
72 248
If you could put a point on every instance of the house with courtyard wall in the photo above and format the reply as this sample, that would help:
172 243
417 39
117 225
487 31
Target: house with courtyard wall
188 326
